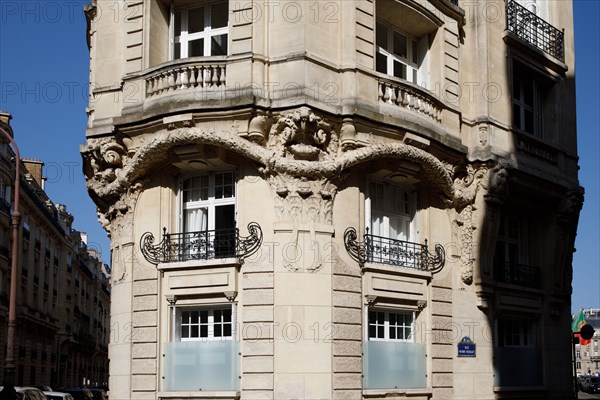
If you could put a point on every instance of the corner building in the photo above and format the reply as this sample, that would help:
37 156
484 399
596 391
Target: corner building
321 199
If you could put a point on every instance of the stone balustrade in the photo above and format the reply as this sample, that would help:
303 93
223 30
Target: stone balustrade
409 97
196 75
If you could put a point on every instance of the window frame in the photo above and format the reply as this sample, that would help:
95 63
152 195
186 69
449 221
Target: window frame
411 66
521 242
409 219
526 333
211 203
176 322
387 325
206 34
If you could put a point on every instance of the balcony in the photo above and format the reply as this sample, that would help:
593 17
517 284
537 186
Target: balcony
517 366
519 274
189 75
201 365
535 31
410 97
202 245
399 253
389 365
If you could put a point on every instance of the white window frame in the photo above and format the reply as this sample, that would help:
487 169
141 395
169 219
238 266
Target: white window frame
212 201
412 45
207 34
177 324
409 219
388 326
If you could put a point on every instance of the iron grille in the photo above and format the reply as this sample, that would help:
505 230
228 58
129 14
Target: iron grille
519 274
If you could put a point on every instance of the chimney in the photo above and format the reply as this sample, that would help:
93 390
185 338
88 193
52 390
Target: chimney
34 167
5 117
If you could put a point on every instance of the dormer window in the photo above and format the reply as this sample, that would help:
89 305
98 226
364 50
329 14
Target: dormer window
200 30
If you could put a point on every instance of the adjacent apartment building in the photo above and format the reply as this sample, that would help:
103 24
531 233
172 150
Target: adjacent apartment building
587 358
63 292
336 199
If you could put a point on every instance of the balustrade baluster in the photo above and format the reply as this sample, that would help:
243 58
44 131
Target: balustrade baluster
193 81
178 79
394 95
170 81
386 95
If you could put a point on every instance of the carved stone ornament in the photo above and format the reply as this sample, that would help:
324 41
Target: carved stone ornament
471 180
303 135
298 153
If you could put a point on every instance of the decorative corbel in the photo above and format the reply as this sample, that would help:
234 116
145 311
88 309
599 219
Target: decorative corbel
231 295
171 299
370 299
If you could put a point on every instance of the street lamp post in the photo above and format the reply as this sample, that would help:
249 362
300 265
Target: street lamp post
9 363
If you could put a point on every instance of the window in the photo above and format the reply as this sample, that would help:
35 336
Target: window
528 91
391 211
200 30
208 205
390 326
203 324
510 248
397 53
513 333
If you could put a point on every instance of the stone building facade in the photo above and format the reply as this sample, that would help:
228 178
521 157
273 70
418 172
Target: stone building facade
336 199
63 293
587 358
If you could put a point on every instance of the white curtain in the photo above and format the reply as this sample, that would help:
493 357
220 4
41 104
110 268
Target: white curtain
196 220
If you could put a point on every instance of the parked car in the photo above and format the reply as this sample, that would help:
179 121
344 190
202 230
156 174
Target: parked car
99 394
29 393
79 393
591 384
58 396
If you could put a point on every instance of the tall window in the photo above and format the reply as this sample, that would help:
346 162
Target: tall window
392 211
397 53
510 245
527 101
209 215
200 30
390 326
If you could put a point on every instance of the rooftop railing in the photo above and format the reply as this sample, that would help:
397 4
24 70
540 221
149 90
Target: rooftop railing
534 30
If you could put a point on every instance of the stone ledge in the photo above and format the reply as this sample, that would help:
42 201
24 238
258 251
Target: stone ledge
408 393
228 395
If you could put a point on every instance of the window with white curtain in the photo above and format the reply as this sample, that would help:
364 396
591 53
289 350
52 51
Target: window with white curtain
392 211
209 202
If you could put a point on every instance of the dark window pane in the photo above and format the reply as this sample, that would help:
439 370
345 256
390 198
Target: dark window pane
381 63
185 331
219 15
380 318
194 317
196 20
372 331
218 45
217 330
392 319
380 331
381 36
528 93
196 48
415 52
218 316
203 331
528 121
371 317
177 51
400 46
177 23
399 70
227 315
513 253
392 333
204 317
517 116
194 331
185 317
227 330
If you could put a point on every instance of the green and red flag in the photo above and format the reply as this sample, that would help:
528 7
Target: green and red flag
576 325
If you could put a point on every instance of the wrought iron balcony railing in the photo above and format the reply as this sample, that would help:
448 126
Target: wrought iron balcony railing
519 274
202 245
534 30
382 250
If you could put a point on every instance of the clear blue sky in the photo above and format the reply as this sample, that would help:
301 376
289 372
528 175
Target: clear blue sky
44 79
